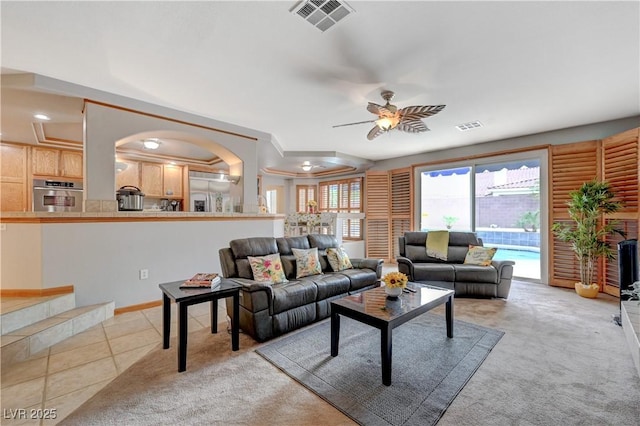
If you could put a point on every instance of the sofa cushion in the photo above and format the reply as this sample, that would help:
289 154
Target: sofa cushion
258 246
293 294
289 265
267 269
359 278
433 272
338 259
322 241
307 262
476 274
285 244
330 284
478 255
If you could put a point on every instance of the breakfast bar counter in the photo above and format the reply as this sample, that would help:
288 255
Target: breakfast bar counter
129 216
119 256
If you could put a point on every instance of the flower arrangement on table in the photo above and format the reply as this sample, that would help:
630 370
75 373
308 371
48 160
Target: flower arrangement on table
394 282
312 204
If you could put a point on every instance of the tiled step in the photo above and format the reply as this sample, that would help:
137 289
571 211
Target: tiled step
20 344
19 312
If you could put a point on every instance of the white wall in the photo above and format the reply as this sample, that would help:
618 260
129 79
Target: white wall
557 137
102 260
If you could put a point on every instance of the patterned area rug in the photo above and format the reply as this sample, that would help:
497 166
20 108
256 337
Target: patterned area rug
429 369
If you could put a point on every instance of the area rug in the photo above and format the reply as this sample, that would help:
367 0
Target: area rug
428 371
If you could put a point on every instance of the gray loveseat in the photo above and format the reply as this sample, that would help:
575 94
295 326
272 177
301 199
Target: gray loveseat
467 280
269 310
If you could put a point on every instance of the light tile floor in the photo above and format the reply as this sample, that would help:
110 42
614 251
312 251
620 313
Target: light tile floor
64 376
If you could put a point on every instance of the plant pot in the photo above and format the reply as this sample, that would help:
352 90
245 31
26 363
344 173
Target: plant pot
393 291
589 291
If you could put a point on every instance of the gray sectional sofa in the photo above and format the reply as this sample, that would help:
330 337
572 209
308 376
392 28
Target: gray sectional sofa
269 310
467 280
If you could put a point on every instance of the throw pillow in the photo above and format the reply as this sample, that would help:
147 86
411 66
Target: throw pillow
307 262
267 269
478 255
338 259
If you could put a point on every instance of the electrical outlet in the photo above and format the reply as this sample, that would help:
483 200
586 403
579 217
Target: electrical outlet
3 226
144 274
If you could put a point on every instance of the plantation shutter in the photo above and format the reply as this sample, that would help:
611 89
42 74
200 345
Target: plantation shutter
377 215
621 168
570 166
389 207
401 205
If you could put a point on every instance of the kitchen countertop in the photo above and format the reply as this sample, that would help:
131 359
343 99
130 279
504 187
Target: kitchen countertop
128 216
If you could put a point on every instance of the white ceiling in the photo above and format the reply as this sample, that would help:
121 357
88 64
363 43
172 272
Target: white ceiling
518 67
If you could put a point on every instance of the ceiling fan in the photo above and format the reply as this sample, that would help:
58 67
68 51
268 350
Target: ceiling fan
407 119
307 166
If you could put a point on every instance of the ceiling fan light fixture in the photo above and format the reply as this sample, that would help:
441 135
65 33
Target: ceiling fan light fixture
151 143
387 123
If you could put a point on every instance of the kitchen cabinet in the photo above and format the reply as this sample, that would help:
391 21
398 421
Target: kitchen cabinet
151 175
13 178
46 161
172 181
71 164
129 176
56 162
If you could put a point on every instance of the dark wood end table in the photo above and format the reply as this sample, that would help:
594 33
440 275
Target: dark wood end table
371 307
187 297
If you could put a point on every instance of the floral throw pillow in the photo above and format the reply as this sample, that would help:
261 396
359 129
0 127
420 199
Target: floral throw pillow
307 262
338 259
267 269
478 255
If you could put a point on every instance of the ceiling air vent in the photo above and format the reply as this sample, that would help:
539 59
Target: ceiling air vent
322 14
469 126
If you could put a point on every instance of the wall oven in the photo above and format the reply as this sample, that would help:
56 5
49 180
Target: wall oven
57 195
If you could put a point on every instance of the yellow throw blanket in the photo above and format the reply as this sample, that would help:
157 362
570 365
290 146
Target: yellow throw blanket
437 244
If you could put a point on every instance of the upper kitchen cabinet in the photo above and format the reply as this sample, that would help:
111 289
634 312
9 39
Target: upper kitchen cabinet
71 164
58 163
172 181
151 175
130 176
13 178
46 161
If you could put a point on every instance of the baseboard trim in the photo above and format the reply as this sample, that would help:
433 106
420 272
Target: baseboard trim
138 307
36 292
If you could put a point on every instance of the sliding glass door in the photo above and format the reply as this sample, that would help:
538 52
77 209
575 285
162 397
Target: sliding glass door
499 200
507 212
445 202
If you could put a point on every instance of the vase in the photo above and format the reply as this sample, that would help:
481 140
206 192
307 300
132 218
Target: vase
393 291
590 291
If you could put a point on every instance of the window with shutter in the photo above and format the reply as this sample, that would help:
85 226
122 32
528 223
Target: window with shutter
343 196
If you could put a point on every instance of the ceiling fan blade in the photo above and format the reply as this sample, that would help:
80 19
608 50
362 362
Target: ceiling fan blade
376 109
352 124
417 112
374 133
412 126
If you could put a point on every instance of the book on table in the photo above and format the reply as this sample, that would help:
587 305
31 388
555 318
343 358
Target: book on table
202 280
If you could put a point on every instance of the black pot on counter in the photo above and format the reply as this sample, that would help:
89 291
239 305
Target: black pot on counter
130 198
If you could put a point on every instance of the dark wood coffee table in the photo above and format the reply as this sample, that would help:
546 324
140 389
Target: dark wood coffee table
372 307
188 297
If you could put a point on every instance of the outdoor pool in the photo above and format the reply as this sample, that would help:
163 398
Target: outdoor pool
515 255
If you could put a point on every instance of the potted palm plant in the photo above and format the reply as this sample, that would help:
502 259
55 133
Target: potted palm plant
587 205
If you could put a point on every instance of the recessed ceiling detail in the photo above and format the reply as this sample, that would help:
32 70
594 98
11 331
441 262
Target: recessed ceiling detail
322 14
469 126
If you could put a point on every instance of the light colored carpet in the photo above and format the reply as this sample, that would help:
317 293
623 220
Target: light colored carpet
561 361
428 369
